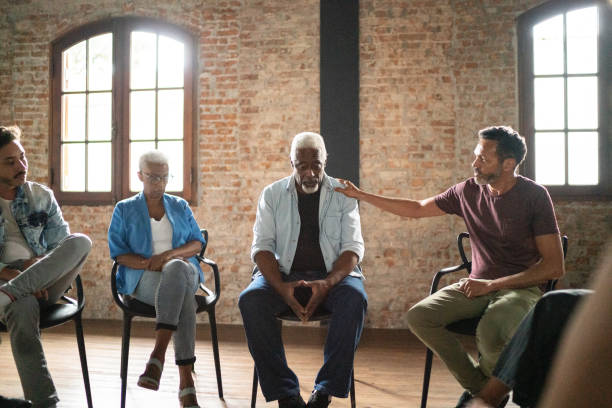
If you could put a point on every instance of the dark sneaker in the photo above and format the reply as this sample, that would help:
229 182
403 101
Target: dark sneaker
294 401
463 400
318 399
14 403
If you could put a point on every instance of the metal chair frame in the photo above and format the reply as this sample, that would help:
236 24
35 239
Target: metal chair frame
132 308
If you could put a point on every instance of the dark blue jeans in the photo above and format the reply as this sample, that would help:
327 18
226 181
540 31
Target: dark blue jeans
259 304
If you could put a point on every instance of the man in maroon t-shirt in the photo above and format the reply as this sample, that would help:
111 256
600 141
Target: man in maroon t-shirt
515 248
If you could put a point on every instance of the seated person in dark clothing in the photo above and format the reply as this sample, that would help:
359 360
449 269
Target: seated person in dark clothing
525 362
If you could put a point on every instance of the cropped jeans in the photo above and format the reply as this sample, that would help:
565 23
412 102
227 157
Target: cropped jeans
259 305
172 293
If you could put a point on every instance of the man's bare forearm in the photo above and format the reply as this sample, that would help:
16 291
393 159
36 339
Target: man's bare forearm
343 266
268 266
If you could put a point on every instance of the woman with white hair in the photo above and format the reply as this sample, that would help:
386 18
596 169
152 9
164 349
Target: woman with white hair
154 238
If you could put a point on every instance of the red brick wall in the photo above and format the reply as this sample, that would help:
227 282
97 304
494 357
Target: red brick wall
432 74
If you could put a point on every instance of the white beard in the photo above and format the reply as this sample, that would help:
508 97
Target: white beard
310 190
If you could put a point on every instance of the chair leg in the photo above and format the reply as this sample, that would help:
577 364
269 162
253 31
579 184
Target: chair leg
353 404
426 375
254 392
215 344
78 325
125 351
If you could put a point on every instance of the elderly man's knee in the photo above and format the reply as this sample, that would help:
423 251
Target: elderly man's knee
248 300
355 300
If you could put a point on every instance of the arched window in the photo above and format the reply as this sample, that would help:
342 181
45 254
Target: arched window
565 63
120 87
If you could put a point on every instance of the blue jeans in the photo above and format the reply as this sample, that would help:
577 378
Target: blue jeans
259 304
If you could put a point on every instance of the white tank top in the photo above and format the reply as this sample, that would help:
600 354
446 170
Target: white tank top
161 232
15 245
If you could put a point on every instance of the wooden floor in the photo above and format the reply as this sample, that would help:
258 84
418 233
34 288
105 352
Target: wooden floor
388 368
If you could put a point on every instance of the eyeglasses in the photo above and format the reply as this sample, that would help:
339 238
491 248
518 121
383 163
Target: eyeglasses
153 178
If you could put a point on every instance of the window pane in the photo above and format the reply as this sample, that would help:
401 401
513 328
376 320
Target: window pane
171 62
73 167
549 109
99 120
583 158
137 149
74 68
170 121
99 163
73 117
550 158
548 46
174 151
582 27
101 62
142 62
142 115
582 103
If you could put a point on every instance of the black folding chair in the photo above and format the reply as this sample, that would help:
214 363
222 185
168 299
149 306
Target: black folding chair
132 307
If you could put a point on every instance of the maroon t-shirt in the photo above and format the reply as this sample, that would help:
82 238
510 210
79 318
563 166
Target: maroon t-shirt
502 228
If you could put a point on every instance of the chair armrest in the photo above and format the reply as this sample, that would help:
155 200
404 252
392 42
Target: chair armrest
116 297
446 271
215 270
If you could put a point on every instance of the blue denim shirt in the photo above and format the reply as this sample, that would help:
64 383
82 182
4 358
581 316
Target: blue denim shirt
39 218
130 233
277 225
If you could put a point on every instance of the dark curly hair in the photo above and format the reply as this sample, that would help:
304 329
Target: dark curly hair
8 134
509 143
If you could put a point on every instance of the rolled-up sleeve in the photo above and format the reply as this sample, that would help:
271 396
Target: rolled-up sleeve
264 229
117 239
351 238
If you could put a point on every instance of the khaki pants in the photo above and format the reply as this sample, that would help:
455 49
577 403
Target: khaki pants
501 311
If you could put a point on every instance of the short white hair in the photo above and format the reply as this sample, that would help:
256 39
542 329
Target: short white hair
152 157
308 140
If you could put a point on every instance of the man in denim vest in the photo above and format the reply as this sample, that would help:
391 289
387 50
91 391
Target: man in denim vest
307 246
39 258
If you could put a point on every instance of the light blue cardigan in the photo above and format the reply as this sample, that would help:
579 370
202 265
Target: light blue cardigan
130 233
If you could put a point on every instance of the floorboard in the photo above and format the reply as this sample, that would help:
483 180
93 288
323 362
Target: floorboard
388 368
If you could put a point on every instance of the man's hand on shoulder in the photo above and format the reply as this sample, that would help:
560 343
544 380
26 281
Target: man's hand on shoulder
349 190
320 289
476 287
